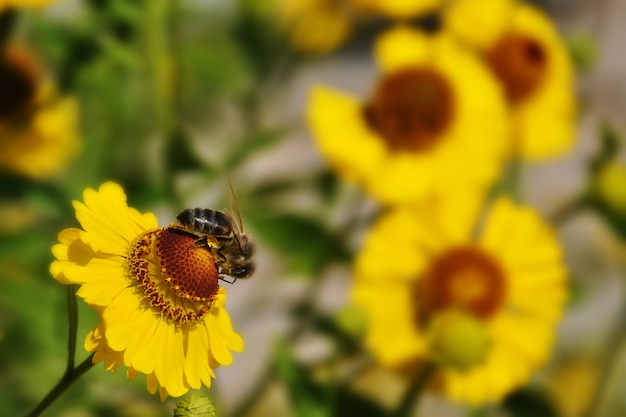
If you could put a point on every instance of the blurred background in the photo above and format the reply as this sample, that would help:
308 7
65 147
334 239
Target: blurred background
173 99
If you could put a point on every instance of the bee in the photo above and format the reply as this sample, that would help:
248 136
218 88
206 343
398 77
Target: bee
217 231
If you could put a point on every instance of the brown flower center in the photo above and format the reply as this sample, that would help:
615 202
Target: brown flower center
411 109
179 279
18 81
520 63
189 269
464 278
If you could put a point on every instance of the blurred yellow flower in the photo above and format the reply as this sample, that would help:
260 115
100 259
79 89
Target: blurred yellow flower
430 278
38 129
401 9
316 26
161 309
437 118
524 50
4 4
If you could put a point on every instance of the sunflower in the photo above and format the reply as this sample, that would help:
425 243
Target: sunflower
162 312
480 296
523 49
424 126
38 128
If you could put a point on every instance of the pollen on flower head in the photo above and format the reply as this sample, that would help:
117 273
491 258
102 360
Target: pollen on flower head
178 278
189 269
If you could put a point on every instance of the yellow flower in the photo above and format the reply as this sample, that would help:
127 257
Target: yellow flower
437 118
428 279
4 4
161 309
316 26
38 129
402 9
523 49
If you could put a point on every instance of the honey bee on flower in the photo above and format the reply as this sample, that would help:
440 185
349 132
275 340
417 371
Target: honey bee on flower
217 231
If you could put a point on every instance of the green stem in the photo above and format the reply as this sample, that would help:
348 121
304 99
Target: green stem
513 179
64 383
72 312
414 392
71 373
156 61
175 40
608 367
569 209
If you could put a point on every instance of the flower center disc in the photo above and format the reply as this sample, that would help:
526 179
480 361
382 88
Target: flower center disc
17 82
521 63
464 278
411 109
189 269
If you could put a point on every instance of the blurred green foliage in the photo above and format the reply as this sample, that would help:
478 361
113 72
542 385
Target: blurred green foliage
157 82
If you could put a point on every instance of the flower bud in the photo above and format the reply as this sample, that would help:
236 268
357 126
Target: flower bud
194 406
457 339
610 186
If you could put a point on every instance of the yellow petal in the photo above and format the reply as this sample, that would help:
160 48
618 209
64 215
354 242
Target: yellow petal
106 220
341 133
401 47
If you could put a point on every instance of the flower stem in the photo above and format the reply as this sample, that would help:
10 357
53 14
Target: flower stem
64 383
72 312
415 391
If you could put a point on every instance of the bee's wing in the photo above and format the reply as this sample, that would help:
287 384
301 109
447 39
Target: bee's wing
238 225
234 206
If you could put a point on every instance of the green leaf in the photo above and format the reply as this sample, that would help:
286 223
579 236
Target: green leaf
325 181
349 404
616 221
306 243
256 31
529 403
218 68
195 406
7 22
610 144
253 145
583 50
178 153
312 399
308 398
331 327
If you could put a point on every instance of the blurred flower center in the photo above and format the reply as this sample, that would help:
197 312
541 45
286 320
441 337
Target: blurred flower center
18 82
411 109
464 278
521 63
179 279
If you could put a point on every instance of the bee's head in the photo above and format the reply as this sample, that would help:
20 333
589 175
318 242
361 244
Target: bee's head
243 271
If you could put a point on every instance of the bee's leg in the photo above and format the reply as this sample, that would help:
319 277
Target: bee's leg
227 281
200 242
